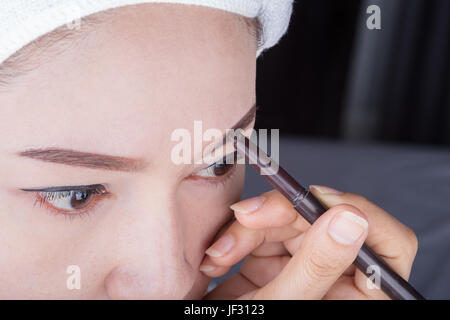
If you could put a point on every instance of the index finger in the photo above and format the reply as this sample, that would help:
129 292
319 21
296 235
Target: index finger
269 210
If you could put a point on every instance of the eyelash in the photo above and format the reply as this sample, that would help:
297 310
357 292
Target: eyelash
219 180
44 196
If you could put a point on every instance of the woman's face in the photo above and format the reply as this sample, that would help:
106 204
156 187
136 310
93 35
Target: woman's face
120 92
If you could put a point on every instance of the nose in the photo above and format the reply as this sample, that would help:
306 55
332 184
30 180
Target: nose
151 262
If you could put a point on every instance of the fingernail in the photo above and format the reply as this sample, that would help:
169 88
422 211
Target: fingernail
327 190
206 268
347 227
222 246
248 205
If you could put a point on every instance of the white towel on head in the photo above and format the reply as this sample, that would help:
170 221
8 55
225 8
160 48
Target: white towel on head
22 21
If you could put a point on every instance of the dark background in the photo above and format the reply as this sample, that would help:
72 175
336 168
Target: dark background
330 76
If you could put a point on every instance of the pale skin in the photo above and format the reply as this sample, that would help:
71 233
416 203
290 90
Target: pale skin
121 91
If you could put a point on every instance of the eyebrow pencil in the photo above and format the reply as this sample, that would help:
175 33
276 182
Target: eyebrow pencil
311 209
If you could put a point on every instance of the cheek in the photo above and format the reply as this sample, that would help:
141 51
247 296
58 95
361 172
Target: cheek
204 209
34 267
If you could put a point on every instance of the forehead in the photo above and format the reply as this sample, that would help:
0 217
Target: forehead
137 77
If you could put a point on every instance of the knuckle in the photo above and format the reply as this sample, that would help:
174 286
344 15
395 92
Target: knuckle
349 207
413 241
279 208
344 206
356 198
280 205
231 224
319 266
271 195
276 199
278 234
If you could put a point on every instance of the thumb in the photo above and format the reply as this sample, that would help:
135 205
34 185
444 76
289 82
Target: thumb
329 247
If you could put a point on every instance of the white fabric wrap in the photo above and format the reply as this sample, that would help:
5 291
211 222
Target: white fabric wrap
22 21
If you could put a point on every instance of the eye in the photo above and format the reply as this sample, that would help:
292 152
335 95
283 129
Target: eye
220 168
68 201
215 170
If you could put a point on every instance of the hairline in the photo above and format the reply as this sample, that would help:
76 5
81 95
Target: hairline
42 49
56 41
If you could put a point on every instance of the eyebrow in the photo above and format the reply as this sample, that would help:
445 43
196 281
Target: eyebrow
85 159
241 124
107 162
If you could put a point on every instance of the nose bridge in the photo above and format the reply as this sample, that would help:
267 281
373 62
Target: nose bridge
151 261
154 218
